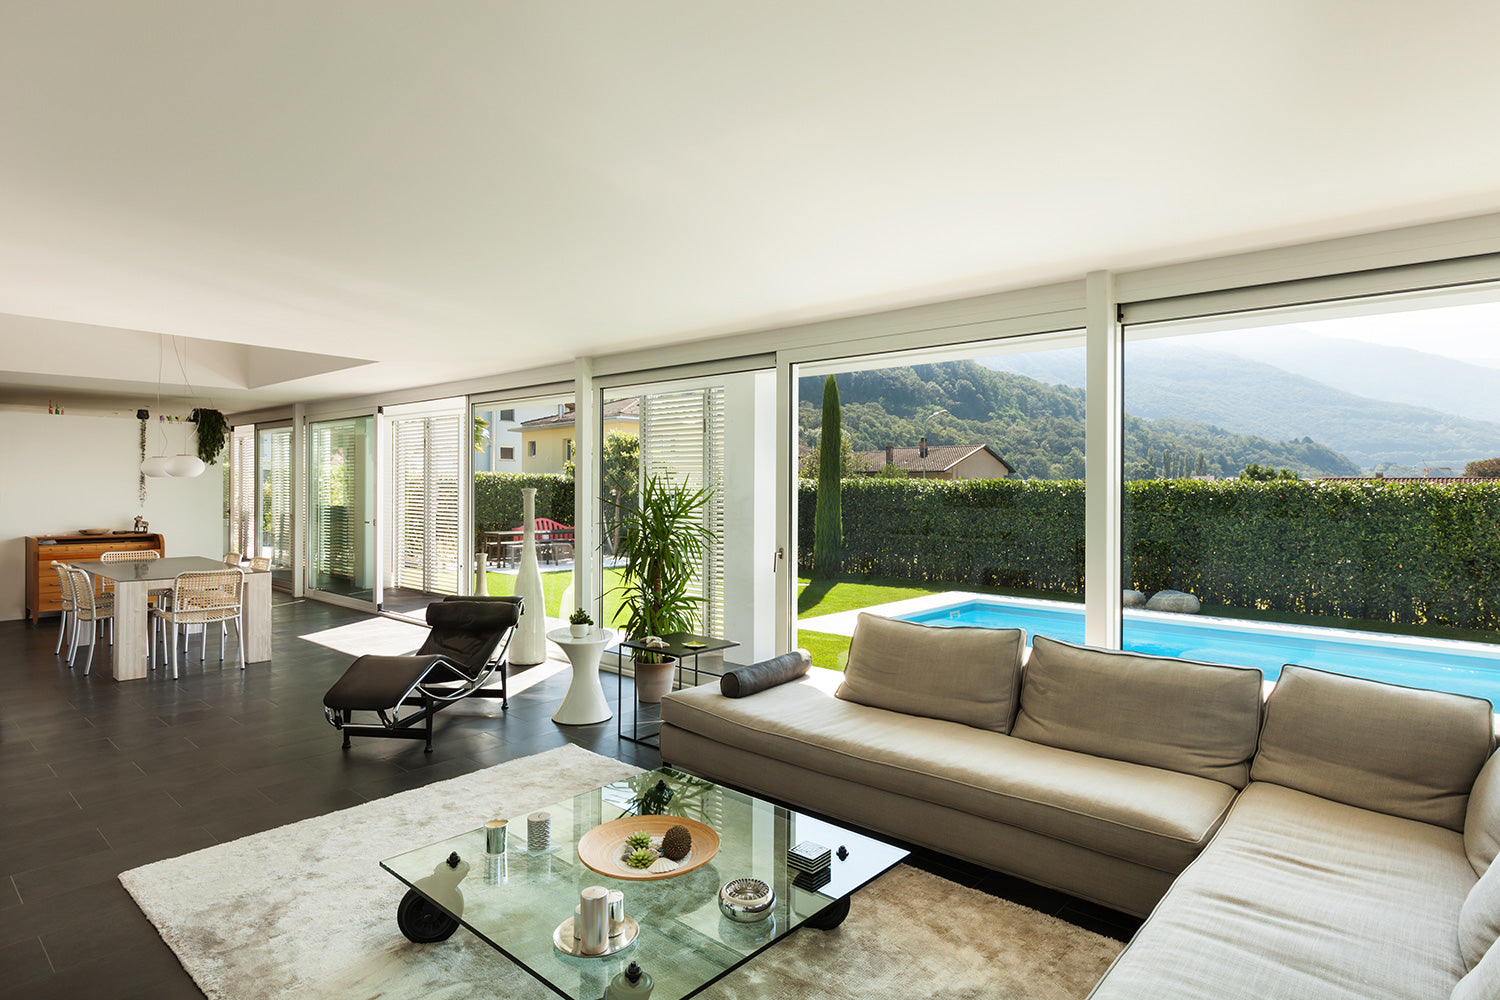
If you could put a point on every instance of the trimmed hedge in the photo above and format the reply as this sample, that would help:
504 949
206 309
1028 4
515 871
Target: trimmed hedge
1405 553
497 500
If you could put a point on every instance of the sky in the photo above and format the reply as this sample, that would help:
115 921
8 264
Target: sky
1467 333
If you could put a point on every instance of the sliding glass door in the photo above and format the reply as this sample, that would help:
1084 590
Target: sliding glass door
343 556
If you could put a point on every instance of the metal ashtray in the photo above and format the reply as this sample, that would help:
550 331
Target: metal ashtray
746 900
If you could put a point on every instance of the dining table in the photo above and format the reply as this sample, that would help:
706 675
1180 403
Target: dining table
135 581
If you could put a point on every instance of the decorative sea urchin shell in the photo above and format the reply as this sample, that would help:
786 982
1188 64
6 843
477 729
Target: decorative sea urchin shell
676 843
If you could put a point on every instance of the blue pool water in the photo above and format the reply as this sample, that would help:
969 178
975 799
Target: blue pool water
1464 668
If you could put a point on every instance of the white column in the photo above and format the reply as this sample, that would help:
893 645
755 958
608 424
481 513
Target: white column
300 539
1102 464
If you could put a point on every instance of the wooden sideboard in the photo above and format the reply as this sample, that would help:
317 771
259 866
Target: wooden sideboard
43 593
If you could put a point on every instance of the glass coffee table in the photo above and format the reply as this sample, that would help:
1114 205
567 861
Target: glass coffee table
517 900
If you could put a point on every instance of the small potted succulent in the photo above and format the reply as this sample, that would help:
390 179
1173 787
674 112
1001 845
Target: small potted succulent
579 623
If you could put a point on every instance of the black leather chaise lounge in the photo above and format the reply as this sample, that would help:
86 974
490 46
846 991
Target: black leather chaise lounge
465 648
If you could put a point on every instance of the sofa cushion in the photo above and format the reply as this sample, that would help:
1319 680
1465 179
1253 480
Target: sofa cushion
1397 750
1149 816
1483 981
1479 919
1300 897
1482 818
1197 718
966 675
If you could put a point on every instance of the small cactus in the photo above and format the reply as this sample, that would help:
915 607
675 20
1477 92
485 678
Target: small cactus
641 857
638 840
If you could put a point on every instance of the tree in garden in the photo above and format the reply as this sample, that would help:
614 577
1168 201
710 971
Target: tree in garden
1488 468
1265 474
620 471
828 521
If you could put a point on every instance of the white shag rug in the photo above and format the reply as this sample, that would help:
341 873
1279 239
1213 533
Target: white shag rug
306 911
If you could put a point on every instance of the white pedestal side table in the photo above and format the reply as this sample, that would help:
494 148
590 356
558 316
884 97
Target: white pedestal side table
584 704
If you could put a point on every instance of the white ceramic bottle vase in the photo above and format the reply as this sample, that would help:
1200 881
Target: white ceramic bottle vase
529 644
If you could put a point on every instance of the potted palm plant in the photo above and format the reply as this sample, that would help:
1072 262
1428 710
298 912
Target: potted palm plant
662 542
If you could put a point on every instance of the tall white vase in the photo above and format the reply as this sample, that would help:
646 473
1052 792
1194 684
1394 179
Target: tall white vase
529 644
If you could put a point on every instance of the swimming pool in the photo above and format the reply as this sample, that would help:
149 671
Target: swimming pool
1461 667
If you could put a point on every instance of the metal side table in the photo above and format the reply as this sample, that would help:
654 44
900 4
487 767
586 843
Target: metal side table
681 645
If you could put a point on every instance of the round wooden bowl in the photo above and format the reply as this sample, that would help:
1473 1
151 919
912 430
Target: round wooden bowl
599 849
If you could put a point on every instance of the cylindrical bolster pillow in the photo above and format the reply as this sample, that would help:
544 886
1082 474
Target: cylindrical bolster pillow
766 674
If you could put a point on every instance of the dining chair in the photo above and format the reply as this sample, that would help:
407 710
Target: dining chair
203 598
158 595
65 584
92 607
232 559
261 564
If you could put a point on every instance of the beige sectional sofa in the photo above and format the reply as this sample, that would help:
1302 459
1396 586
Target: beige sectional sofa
1330 843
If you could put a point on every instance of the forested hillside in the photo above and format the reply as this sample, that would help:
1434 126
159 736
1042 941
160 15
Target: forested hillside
1037 428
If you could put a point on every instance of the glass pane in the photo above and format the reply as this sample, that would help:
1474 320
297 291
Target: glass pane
1318 491
957 479
519 444
274 480
341 507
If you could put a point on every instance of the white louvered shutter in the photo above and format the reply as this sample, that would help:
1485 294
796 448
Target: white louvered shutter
242 490
444 472
275 479
682 437
426 469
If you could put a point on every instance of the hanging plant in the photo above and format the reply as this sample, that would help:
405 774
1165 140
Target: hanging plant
213 431
141 476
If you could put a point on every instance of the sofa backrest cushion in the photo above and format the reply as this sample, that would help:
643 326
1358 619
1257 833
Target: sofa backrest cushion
1479 918
1195 718
1482 819
1401 751
965 675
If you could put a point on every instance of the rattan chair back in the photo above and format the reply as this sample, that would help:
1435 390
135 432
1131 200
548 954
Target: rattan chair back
212 596
64 583
231 559
261 564
129 555
88 604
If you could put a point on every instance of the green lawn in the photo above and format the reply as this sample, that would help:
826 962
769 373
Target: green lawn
553 585
850 593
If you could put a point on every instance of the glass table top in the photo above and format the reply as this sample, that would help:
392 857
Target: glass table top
515 901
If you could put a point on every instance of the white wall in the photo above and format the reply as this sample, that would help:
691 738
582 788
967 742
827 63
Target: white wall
62 473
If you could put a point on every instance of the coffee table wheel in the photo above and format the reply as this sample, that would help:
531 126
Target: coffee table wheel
831 917
422 921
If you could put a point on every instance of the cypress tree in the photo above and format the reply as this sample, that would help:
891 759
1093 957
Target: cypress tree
828 521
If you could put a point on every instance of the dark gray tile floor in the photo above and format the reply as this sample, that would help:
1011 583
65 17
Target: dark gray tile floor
97 778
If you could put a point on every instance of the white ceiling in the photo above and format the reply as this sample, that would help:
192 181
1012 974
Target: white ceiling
452 189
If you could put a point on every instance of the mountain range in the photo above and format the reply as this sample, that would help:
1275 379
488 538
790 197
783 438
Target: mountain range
1233 385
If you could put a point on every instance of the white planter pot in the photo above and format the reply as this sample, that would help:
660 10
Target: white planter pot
579 631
